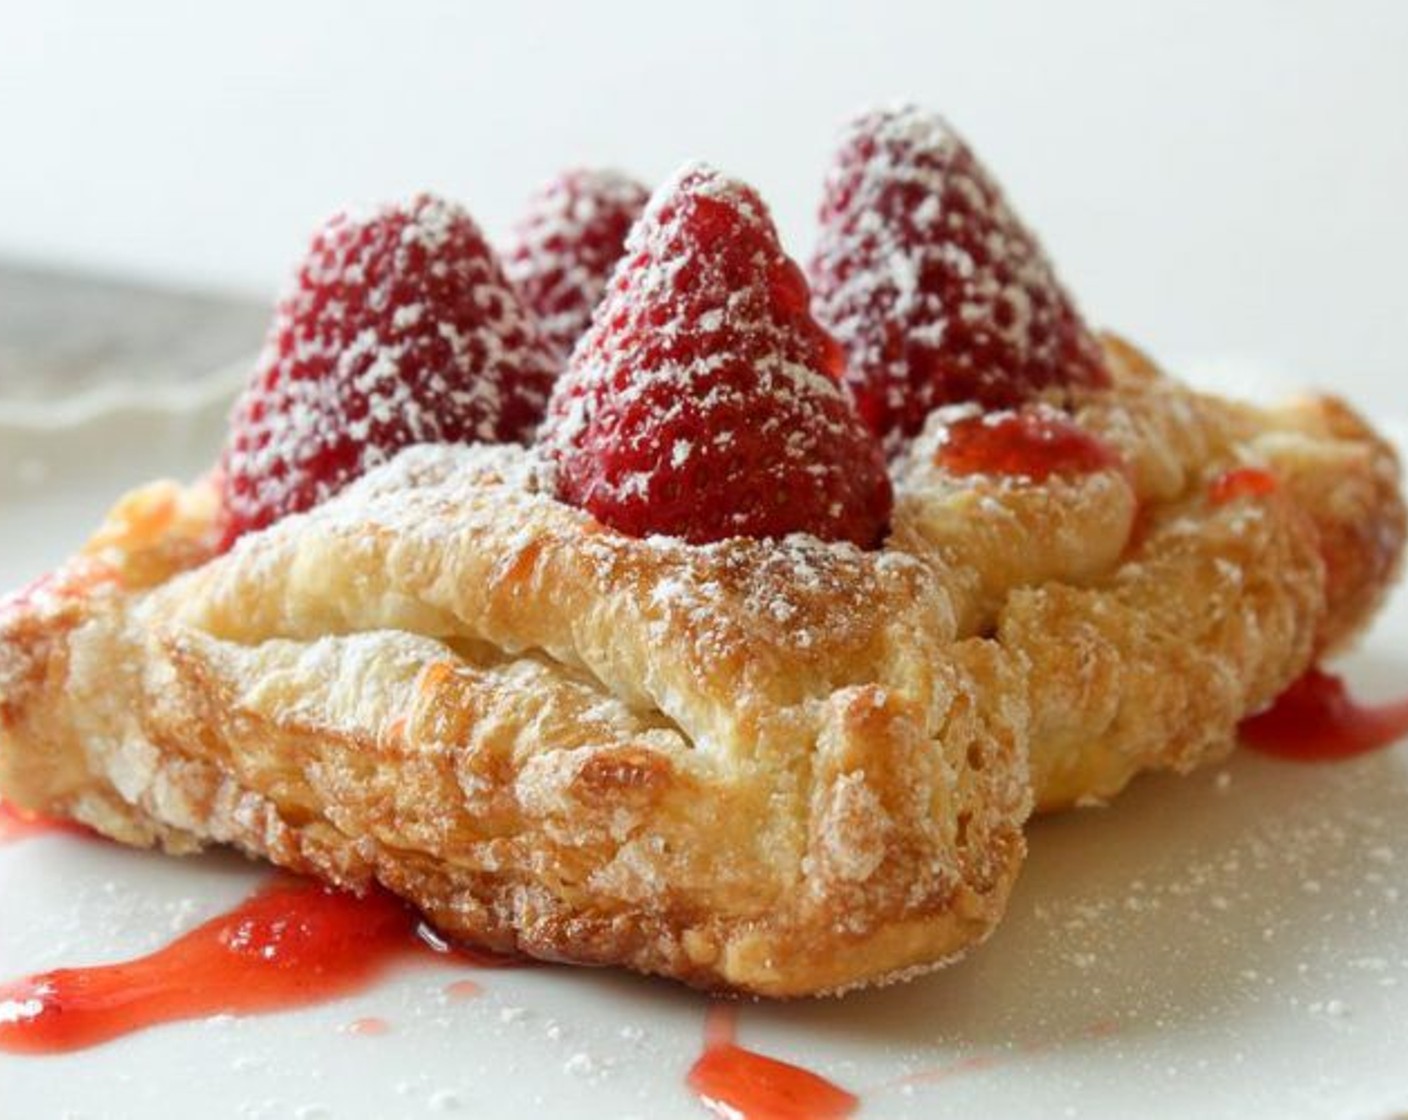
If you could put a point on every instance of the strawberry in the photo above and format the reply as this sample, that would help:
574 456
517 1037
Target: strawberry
703 402
561 254
399 328
932 284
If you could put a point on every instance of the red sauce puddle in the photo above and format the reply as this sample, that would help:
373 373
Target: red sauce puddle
291 944
17 824
1316 720
1241 482
1033 445
735 1082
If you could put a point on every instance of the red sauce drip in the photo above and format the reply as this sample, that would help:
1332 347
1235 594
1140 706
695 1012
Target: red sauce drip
370 1027
17 823
289 945
732 1081
1243 482
1032 445
462 990
1315 720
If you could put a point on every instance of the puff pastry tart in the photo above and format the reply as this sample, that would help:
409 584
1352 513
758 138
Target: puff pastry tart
1162 562
746 671
737 745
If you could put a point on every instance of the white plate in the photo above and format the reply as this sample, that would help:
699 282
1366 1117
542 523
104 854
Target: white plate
1234 943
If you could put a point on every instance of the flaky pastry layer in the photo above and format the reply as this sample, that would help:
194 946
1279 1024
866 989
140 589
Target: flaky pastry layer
770 767
767 767
1152 616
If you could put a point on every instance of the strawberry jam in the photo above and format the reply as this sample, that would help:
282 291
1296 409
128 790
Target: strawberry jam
289 945
1241 482
1315 720
732 1081
1033 445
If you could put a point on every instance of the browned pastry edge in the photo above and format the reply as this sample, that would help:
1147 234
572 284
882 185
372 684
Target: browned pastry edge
1136 621
852 817
1152 618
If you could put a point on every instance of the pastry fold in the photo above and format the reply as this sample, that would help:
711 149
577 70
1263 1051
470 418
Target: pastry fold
1151 613
759 766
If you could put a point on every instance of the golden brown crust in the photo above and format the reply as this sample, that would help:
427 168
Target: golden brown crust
770 767
757 766
1151 616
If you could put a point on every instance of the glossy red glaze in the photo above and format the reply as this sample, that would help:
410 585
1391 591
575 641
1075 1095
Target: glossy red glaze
1316 720
735 1082
1242 482
1031 445
291 944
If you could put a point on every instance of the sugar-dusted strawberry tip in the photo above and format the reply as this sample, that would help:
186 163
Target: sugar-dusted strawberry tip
399 328
561 252
703 402
931 282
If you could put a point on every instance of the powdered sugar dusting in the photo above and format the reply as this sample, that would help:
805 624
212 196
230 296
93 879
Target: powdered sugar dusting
399 328
561 254
930 281
702 401
725 608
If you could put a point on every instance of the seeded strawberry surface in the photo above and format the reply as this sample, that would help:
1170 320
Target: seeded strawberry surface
703 402
399 328
561 254
932 284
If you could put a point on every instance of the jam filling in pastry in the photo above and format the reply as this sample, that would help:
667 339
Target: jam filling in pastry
1162 562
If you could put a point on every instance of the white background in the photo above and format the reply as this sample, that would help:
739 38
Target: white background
1219 180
